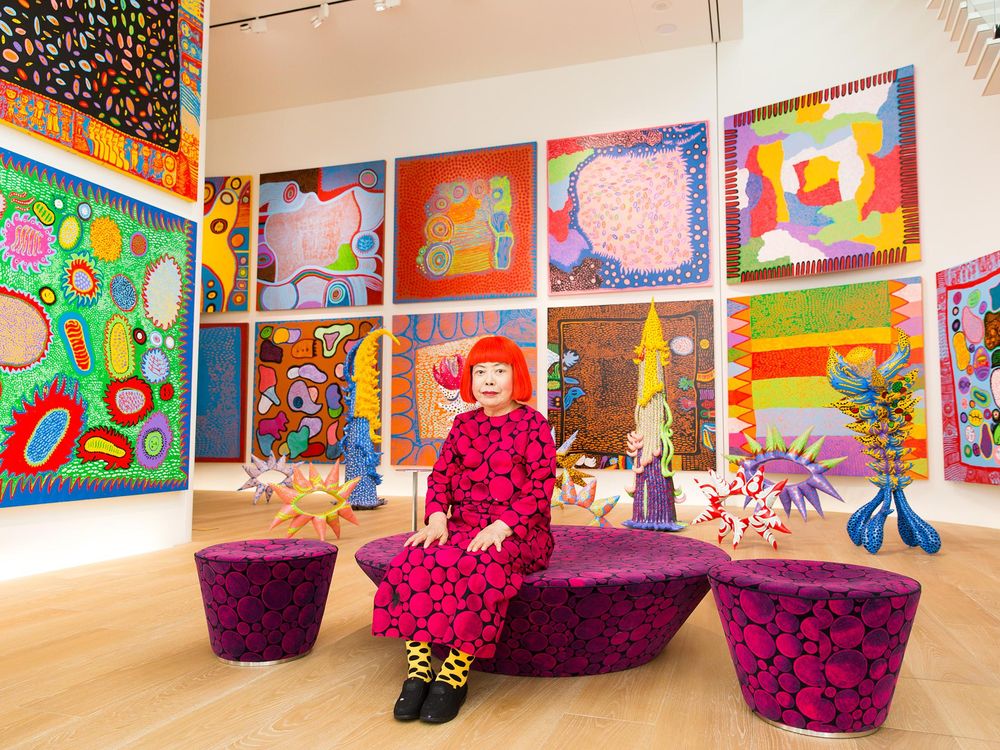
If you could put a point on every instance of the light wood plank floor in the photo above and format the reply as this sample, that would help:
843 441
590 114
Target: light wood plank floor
115 655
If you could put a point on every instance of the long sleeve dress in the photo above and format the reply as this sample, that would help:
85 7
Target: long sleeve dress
489 468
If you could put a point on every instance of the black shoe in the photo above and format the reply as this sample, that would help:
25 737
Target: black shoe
411 698
442 702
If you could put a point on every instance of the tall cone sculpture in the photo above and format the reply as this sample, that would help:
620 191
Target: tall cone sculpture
650 444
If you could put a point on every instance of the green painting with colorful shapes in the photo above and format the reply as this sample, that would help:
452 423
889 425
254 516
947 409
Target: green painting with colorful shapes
96 306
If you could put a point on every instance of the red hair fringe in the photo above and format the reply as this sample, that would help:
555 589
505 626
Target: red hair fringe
497 349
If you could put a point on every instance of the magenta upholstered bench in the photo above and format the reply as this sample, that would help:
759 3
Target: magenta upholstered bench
264 598
817 646
609 600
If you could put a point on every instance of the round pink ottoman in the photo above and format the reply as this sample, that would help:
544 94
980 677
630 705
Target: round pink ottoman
264 598
610 600
817 646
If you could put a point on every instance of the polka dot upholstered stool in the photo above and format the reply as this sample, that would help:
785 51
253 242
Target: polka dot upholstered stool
609 600
817 646
264 598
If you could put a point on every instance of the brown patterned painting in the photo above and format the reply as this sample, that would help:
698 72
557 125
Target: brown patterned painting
592 379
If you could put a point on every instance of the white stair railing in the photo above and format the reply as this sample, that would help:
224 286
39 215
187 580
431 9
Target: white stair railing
973 24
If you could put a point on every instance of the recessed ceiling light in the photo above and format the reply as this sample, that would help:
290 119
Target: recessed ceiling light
662 5
666 28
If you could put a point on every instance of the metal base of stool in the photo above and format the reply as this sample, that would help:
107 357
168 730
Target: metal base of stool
261 663
813 733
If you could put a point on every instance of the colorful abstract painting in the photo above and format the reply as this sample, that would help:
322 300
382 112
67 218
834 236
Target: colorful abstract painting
427 372
823 182
119 82
96 306
968 302
778 350
298 397
221 419
321 236
465 224
629 210
225 245
592 379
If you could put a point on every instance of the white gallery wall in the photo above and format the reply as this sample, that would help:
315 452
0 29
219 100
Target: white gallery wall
787 49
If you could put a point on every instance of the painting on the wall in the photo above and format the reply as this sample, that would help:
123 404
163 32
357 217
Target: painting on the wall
96 306
779 345
225 246
823 182
629 210
299 381
119 82
968 303
221 418
465 224
427 373
321 236
592 379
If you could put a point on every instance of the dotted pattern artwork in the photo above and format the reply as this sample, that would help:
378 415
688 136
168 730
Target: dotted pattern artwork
968 300
629 210
427 368
321 237
609 600
299 386
264 598
816 645
225 250
222 392
465 224
118 82
592 379
96 307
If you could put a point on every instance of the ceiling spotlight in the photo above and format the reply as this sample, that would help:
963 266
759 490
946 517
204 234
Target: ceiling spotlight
321 15
257 26
381 5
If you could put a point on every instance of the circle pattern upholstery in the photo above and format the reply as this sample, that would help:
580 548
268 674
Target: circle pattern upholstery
816 645
609 600
264 598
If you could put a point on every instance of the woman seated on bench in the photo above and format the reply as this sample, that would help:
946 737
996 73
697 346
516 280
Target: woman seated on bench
453 580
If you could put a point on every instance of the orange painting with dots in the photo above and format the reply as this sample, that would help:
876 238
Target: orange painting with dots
465 224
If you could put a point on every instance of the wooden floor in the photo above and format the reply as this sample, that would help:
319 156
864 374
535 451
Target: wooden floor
116 655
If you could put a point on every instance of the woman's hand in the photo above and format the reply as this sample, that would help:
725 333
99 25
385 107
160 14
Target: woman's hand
436 530
494 534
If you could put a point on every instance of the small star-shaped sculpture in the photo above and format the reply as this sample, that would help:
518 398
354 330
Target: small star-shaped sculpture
763 520
567 462
300 488
259 466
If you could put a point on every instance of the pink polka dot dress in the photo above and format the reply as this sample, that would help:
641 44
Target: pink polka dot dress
490 468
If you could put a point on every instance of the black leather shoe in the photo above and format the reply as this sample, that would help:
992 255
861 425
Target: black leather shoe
442 702
411 699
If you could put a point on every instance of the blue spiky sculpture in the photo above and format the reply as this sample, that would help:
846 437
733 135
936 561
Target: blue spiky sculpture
361 397
807 458
880 401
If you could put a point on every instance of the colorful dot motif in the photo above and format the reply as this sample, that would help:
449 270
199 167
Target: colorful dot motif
609 600
264 598
816 645
489 468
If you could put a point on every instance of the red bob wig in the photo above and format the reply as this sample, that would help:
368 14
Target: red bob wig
497 349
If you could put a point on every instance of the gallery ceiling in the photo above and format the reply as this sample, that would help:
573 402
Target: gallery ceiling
360 52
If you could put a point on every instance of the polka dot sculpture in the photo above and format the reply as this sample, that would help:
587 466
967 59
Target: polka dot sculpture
610 600
817 646
264 598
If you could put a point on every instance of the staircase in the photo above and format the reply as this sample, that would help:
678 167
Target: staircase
972 24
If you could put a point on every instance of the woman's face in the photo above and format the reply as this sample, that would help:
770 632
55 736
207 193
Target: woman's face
493 386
